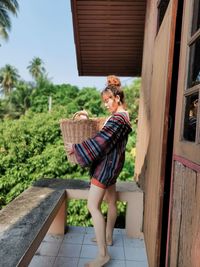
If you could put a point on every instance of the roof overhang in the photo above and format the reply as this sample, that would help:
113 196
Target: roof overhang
109 36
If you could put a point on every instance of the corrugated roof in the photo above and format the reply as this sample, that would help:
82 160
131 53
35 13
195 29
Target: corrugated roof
109 36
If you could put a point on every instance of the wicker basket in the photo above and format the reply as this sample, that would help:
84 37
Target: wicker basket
76 131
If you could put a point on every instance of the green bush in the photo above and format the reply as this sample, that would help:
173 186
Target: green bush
78 214
32 148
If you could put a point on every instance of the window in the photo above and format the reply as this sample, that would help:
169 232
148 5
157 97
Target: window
194 64
162 7
190 120
192 90
196 17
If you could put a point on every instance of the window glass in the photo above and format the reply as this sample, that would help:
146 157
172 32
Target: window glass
194 64
196 17
190 120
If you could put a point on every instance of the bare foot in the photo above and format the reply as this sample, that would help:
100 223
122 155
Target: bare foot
108 242
98 262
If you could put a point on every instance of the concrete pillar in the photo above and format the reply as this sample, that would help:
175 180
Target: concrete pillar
58 225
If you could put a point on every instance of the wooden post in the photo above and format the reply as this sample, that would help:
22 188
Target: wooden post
50 103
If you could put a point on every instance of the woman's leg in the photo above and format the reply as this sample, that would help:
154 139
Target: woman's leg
95 198
111 199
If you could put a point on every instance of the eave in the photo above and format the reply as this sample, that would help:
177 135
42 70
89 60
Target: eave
109 36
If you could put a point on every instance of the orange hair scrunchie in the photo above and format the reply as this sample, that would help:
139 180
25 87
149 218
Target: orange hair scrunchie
113 80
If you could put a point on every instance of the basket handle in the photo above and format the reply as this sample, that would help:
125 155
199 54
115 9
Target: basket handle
78 113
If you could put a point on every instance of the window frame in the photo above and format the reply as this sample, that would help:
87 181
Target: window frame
188 91
183 148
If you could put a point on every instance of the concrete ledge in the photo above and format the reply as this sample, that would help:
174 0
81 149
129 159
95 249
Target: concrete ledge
24 223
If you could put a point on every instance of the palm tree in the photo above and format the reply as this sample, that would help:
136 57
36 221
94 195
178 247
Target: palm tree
36 68
8 78
20 99
6 7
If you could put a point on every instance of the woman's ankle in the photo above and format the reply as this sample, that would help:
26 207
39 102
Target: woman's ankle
103 251
109 237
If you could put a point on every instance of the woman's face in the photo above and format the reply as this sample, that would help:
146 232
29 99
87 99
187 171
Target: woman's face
110 101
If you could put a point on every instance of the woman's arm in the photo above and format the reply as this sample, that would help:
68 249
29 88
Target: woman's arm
116 128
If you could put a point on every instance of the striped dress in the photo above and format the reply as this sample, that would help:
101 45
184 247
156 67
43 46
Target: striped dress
105 152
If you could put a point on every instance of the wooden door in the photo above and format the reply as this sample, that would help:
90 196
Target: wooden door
184 223
159 113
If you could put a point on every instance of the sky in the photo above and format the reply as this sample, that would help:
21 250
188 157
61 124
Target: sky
43 28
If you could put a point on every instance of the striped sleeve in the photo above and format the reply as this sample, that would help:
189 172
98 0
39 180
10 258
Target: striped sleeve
102 143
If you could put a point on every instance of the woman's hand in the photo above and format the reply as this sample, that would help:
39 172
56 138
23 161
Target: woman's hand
69 148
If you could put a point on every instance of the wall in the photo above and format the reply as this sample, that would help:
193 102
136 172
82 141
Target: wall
143 131
184 243
153 122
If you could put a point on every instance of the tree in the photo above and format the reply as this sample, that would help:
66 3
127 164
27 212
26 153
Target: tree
3 105
36 68
8 78
19 99
90 99
6 7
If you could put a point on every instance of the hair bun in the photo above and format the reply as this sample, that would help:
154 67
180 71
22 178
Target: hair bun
113 80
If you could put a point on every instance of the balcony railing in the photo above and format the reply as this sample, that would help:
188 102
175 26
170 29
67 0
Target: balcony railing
42 208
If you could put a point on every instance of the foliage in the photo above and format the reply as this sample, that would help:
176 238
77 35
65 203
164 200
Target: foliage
7 7
132 93
3 108
18 101
31 148
8 79
132 101
78 213
36 68
89 99
66 95
62 95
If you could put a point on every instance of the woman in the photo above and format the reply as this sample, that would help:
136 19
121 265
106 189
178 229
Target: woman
105 154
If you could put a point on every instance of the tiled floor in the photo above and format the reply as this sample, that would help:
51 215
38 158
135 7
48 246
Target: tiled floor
76 248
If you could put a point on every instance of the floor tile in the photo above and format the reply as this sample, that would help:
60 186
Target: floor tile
117 240
53 238
76 229
116 253
42 261
115 263
63 261
133 242
135 254
82 261
48 249
87 239
123 231
118 231
89 230
111 263
69 250
136 264
75 248
73 238
88 251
